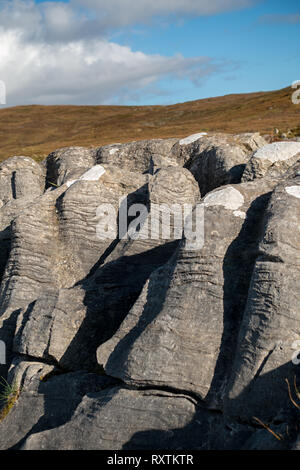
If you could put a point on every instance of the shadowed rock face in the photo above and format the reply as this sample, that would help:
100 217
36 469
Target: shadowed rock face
271 319
149 338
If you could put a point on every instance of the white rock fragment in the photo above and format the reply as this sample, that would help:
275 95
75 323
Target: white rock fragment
230 198
69 183
93 174
113 151
278 151
192 138
293 191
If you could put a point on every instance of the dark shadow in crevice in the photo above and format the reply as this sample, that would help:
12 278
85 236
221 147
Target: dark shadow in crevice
13 185
156 294
5 247
210 430
109 295
59 396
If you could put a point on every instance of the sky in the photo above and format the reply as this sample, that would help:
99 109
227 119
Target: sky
145 52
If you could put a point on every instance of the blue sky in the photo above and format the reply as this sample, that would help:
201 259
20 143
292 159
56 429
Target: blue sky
145 52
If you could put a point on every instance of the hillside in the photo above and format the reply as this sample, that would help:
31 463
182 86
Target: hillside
36 130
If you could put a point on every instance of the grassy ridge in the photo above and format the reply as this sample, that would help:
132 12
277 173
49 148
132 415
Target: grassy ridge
37 130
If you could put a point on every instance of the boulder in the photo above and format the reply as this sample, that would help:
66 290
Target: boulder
68 163
143 156
218 159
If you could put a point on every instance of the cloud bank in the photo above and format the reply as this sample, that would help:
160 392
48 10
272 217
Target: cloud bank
60 53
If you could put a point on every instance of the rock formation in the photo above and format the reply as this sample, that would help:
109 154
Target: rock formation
123 332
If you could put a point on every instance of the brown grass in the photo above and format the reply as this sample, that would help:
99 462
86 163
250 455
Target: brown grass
37 130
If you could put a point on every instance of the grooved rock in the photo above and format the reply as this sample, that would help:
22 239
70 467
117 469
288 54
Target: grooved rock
99 304
192 306
47 400
116 419
69 163
136 315
142 156
20 177
272 159
271 319
219 159
21 181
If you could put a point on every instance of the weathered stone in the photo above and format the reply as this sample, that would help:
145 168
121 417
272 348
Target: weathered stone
68 163
218 159
118 419
47 399
20 177
141 156
67 325
191 308
196 330
21 181
273 159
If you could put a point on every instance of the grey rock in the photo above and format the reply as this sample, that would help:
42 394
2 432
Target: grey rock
7 213
32 265
77 209
192 306
270 322
219 159
141 156
21 181
68 163
118 419
47 399
273 159
20 177
168 342
54 245
66 325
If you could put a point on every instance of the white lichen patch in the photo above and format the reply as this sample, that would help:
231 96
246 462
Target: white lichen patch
230 198
277 151
293 191
93 174
192 138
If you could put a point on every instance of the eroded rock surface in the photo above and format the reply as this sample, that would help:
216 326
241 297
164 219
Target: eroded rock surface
129 327
272 159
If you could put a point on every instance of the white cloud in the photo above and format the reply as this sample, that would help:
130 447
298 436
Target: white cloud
56 21
58 53
85 72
